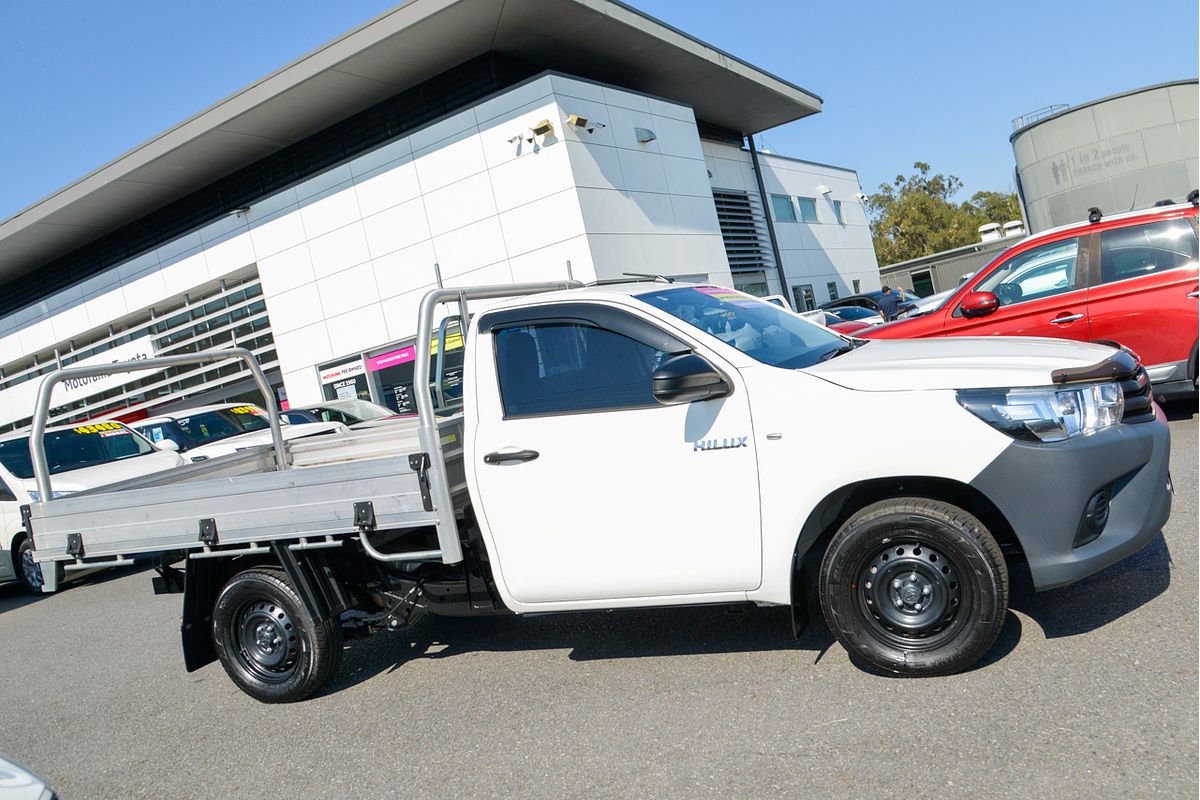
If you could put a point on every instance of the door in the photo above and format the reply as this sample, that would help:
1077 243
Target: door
1144 294
608 494
1041 293
10 523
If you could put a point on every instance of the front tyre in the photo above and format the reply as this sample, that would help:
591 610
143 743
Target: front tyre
269 646
914 587
29 571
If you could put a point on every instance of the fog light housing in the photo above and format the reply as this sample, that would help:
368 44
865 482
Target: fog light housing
1095 517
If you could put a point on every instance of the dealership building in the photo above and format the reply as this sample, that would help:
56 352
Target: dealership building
446 142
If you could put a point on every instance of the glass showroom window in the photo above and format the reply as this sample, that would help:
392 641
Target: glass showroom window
837 212
783 209
808 209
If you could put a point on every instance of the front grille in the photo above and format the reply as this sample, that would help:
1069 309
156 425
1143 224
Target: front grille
1139 401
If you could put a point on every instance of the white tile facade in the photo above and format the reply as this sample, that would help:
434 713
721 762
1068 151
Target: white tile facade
345 257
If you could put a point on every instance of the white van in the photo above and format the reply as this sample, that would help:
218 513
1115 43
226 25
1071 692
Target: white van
80 457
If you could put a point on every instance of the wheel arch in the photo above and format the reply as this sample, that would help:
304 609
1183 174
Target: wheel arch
839 505
18 537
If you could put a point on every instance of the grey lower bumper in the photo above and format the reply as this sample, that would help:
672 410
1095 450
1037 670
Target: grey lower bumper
1043 489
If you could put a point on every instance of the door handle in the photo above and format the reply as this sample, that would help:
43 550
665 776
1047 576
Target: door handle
1066 319
499 457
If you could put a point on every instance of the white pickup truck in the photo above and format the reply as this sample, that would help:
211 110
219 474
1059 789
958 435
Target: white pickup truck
643 444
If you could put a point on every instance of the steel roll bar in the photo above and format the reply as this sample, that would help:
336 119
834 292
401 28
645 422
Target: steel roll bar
41 413
427 424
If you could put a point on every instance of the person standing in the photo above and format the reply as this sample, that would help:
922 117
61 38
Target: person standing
888 303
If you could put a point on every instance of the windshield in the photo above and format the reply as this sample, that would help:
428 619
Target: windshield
760 330
75 448
853 312
360 410
213 426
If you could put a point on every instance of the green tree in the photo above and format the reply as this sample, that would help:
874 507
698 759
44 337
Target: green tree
916 216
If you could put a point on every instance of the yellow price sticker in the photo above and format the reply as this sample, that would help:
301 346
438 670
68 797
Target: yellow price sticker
98 427
245 410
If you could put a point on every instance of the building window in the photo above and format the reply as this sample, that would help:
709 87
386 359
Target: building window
804 298
832 287
782 208
857 286
837 212
808 209
754 283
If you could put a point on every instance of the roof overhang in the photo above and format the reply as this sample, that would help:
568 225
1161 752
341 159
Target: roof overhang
598 39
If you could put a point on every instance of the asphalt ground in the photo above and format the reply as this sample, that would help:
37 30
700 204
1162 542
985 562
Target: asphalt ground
1091 691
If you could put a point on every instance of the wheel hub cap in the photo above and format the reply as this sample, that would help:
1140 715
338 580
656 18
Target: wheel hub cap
910 590
267 641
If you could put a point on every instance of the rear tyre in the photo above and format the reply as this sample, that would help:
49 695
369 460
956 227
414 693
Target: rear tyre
267 643
914 587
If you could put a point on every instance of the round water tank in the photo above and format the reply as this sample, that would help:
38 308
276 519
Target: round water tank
1119 153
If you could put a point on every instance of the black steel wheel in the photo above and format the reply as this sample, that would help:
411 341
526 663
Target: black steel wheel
271 648
913 587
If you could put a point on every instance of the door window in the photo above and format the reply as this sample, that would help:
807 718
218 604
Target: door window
1143 249
5 492
1041 272
562 368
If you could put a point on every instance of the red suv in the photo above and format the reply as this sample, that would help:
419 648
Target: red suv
1129 278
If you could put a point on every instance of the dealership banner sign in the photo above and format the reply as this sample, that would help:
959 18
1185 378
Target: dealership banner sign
75 389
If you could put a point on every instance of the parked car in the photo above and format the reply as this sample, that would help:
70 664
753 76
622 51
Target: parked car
1129 279
835 323
926 304
218 430
870 300
80 457
355 414
18 783
857 314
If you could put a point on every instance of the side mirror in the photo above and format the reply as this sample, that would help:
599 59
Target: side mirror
170 445
688 378
979 304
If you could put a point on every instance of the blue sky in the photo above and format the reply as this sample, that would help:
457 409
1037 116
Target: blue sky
932 81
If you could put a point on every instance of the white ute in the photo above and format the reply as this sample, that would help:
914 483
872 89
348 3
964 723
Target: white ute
220 430
642 444
83 456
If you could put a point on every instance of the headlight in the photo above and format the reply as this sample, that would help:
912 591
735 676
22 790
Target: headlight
36 496
1047 415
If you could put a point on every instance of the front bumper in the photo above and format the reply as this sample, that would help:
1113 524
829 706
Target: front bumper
1043 489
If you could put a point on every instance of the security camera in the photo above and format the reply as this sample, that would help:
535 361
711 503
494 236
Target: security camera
860 197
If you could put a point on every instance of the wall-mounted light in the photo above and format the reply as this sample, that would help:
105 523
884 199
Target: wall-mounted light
823 189
644 135
240 211
542 128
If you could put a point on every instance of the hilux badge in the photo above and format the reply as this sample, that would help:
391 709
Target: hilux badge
720 444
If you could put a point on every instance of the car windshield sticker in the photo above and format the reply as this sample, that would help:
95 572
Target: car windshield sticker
98 427
248 410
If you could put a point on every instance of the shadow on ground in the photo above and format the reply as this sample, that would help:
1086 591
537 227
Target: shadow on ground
14 596
1072 610
1177 410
